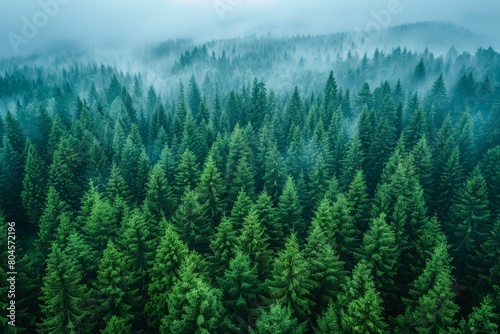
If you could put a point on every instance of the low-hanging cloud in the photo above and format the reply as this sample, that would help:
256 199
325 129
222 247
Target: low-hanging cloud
31 26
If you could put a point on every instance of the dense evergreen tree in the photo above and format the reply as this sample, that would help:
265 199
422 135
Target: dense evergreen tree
291 283
360 305
62 295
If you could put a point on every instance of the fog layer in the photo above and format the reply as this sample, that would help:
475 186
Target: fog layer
33 26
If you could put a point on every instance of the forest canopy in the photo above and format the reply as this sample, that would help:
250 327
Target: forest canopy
255 185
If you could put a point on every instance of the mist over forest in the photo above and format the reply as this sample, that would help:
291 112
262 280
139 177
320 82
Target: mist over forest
235 166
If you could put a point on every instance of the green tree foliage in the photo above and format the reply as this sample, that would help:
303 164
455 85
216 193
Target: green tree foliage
113 286
290 209
49 221
194 305
291 284
267 214
34 188
116 325
223 246
481 320
278 320
211 191
326 269
253 242
166 271
380 251
431 308
186 176
159 200
62 295
241 287
191 222
360 305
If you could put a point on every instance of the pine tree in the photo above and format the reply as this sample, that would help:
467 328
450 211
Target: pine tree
66 173
253 242
223 246
431 308
11 177
101 225
328 322
419 73
194 306
117 325
365 97
358 202
194 96
290 210
191 222
62 295
291 282
421 156
113 286
240 210
278 320
348 237
117 187
469 227
353 161
159 200
449 182
138 247
49 221
186 177
241 288
481 320
267 214
327 271
34 188
211 191
274 171
165 272
360 304
134 165
380 251
243 180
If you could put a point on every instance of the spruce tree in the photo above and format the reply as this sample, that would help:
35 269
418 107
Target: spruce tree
62 295
165 272
223 246
290 210
113 286
267 214
211 192
191 222
159 200
253 242
278 320
241 288
291 283
380 251
360 305
34 188
327 270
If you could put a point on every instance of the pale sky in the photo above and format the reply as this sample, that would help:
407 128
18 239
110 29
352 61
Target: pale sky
113 23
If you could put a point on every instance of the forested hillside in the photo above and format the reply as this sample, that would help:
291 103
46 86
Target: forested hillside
255 185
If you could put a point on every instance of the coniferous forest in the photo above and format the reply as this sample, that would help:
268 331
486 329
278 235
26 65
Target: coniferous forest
252 185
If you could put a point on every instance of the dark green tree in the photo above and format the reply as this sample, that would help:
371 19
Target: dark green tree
360 304
166 271
34 188
278 320
290 210
62 295
291 283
